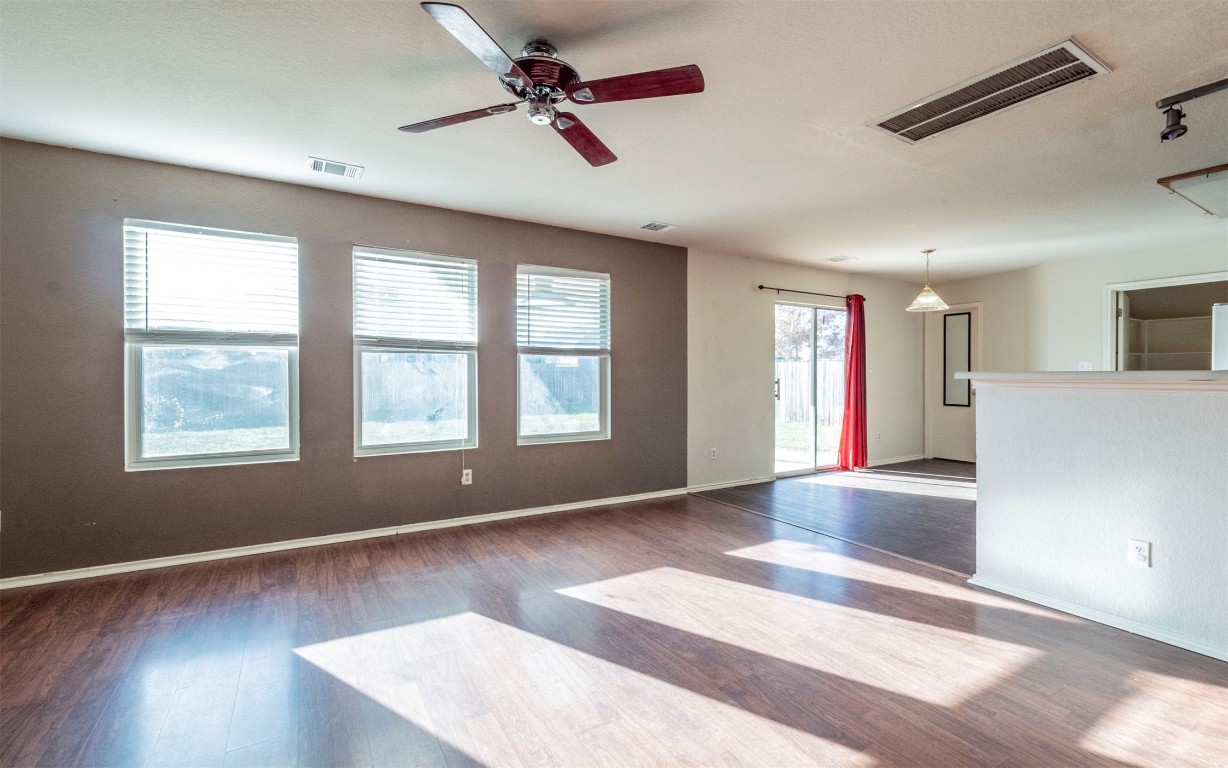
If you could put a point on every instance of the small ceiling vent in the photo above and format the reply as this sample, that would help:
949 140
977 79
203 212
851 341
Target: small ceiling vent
838 259
335 168
656 226
996 90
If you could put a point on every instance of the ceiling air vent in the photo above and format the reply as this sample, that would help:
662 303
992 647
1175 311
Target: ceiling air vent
998 89
656 226
840 258
335 168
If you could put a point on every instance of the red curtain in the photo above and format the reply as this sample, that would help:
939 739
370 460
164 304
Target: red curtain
853 440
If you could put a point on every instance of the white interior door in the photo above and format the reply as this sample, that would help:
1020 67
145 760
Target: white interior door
953 345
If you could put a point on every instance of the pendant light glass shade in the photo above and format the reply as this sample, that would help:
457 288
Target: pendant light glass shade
927 300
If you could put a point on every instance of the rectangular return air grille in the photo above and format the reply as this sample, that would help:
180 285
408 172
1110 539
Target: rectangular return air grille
1003 87
335 168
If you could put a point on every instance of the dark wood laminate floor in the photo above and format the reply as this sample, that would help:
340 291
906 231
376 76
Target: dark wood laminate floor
678 631
924 510
934 468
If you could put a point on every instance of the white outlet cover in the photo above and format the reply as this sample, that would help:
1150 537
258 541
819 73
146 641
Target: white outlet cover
1139 553
1086 366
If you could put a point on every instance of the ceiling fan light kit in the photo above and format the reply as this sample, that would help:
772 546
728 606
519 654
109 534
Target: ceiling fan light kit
542 80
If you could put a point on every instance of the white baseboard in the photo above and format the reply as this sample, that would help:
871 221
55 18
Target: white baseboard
896 460
729 484
277 546
1129 625
770 478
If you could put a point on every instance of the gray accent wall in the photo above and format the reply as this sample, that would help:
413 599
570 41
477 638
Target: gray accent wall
65 498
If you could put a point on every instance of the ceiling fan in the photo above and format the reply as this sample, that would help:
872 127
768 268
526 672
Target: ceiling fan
543 80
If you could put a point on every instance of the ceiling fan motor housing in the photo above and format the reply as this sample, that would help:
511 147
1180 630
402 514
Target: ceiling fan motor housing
550 75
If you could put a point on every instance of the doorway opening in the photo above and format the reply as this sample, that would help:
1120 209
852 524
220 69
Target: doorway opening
809 387
1166 324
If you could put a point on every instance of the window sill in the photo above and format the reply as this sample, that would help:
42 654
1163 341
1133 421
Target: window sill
397 449
568 438
192 462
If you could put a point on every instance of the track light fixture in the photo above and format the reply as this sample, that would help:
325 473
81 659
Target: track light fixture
1173 129
1174 114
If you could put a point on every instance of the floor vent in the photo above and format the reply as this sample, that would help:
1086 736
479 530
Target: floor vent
998 89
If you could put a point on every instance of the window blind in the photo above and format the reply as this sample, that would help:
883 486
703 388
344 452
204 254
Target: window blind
179 278
562 309
416 298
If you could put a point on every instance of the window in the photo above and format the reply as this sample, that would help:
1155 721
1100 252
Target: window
415 351
563 337
211 337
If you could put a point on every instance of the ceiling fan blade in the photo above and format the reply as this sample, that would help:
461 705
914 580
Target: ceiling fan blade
471 35
583 140
463 117
644 85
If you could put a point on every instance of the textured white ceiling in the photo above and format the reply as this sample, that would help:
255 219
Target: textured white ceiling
773 160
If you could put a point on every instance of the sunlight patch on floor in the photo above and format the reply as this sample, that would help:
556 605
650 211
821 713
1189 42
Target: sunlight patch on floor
819 558
822 558
915 486
1143 721
522 699
933 664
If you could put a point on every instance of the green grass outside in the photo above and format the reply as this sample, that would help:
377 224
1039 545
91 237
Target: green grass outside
215 441
192 443
793 442
559 423
393 432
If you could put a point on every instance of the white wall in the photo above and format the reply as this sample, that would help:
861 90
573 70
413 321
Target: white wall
731 341
1066 477
1052 316
1048 317
1004 317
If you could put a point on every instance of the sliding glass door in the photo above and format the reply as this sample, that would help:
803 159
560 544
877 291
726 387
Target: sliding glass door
809 387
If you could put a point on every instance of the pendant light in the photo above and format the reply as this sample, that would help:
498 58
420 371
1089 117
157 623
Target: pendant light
927 300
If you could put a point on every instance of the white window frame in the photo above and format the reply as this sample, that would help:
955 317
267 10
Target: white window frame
135 341
603 355
392 345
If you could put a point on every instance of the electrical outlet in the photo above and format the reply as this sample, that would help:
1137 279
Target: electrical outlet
1086 365
713 455
1139 553
466 477
878 436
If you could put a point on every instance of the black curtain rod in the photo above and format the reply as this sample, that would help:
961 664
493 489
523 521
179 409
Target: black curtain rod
808 293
